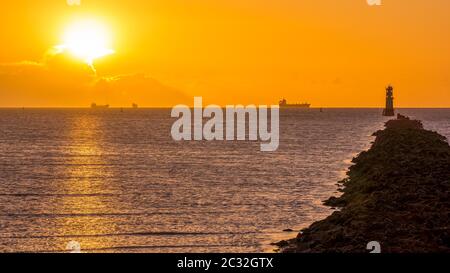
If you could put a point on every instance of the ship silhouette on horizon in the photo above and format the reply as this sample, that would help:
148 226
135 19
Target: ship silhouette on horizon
96 106
283 104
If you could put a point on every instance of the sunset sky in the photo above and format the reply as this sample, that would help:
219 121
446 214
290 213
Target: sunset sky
331 53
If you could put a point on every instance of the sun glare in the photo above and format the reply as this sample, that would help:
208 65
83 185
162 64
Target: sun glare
87 40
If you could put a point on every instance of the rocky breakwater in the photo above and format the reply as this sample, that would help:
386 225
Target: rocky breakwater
397 193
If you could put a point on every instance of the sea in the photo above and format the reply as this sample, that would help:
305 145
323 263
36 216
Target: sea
114 180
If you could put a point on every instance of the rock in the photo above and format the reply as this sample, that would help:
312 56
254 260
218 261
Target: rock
397 192
282 243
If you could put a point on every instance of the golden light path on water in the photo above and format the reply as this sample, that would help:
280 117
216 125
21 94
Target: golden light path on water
86 202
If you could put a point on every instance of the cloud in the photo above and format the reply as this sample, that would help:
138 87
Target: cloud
141 89
60 81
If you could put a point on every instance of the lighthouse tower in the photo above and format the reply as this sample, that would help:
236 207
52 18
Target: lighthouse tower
389 110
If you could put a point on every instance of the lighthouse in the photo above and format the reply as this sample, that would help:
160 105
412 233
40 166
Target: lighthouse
389 110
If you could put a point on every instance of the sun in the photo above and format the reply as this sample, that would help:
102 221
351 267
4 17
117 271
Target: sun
87 40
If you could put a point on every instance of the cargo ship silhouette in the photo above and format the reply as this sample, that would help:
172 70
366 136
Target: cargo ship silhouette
283 104
95 106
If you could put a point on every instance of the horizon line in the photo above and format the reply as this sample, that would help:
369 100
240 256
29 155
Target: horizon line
190 106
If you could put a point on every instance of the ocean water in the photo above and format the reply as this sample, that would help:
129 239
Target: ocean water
116 181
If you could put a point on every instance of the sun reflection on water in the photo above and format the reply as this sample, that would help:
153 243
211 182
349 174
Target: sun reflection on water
86 200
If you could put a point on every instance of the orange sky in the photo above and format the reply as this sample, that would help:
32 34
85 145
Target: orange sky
331 53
